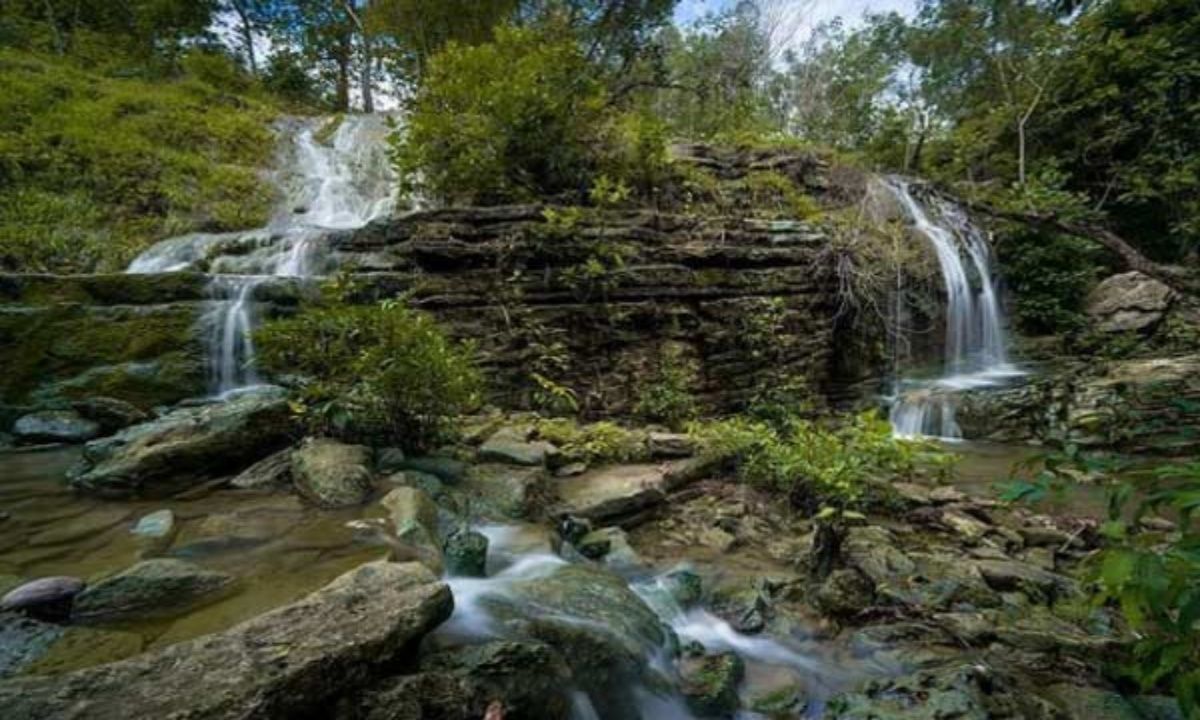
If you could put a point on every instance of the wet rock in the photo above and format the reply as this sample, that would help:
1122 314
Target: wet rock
945 494
48 598
912 493
684 586
745 607
510 446
571 470
431 484
1010 575
155 531
529 679
505 491
876 553
963 692
717 539
389 460
788 702
414 519
1128 302
54 426
466 553
110 414
604 631
664 445
1089 703
573 529
710 683
332 474
290 662
185 447
844 594
595 545
271 473
447 469
970 529
29 646
150 589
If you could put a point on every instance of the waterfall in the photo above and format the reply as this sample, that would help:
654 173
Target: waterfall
976 347
338 182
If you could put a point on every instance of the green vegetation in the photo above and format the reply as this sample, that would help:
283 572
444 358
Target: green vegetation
815 464
667 394
383 373
95 168
593 443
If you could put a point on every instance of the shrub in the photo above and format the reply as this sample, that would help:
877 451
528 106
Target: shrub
381 373
813 463
507 120
597 442
666 394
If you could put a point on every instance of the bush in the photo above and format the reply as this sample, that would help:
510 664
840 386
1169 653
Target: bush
666 394
94 169
597 442
1050 276
521 118
381 373
814 464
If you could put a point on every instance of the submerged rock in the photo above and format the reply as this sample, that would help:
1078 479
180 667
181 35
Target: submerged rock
332 474
29 646
185 447
48 598
295 661
54 426
152 588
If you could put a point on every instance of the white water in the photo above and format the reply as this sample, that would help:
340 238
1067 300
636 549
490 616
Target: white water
976 346
341 183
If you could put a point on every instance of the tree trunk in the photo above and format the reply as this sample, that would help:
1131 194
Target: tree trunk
367 58
247 35
1173 275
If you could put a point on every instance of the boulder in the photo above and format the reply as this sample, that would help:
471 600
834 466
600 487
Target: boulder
110 414
54 426
505 492
272 472
332 474
710 684
296 661
1088 703
465 552
446 469
48 598
605 632
612 494
844 594
430 483
414 519
529 679
1128 302
1038 584
962 692
510 446
150 589
663 445
185 447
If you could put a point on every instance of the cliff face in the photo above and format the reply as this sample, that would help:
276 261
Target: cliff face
613 303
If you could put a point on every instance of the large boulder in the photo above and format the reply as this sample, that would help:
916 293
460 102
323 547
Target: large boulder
603 629
55 426
152 588
613 494
529 679
296 661
505 491
332 474
1129 302
185 447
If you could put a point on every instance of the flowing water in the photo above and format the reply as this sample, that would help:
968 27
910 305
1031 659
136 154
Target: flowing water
975 346
329 182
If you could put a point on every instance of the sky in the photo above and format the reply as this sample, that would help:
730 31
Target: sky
822 10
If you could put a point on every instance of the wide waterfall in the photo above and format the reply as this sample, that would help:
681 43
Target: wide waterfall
328 181
975 346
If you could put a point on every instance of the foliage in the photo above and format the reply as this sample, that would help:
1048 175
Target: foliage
666 394
1053 473
597 442
508 120
1050 276
383 372
815 463
1156 582
94 168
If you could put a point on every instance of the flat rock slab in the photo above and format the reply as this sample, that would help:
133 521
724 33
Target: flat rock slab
295 661
610 493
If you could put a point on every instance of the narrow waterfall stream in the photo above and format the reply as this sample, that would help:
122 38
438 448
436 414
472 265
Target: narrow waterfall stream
975 346
338 182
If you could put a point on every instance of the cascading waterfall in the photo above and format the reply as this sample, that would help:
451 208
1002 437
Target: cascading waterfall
976 351
338 182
